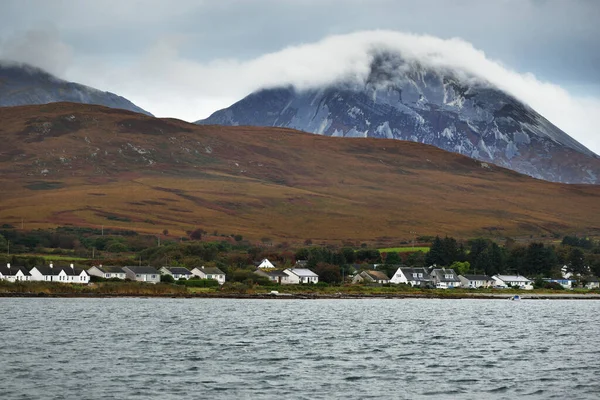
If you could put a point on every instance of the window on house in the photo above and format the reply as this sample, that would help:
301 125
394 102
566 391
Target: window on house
153 276
420 275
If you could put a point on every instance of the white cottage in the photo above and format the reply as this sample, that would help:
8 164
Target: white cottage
176 272
274 276
411 276
210 273
13 273
518 281
107 272
50 273
142 274
301 275
445 278
476 281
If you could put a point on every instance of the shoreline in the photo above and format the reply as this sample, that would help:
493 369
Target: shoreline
315 296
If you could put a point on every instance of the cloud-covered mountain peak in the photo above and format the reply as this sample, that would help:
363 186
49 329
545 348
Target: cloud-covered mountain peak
404 98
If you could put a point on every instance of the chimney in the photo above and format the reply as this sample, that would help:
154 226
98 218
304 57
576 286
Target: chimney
8 265
72 267
51 265
203 267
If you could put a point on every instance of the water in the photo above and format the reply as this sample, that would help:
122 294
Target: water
298 349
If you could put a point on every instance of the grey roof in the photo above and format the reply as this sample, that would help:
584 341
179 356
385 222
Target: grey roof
142 270
211 270
408 273
46 270
4 270
442 272
303 272
276 274
178 270
55 270
513 278
477 277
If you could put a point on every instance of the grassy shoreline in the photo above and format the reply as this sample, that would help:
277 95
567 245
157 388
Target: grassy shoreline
137 289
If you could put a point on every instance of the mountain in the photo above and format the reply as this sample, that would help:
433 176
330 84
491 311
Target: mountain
85 165
21 84
447 109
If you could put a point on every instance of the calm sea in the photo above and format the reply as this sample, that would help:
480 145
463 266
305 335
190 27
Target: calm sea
298 349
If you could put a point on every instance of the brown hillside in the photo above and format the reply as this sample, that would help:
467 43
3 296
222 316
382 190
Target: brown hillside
88 165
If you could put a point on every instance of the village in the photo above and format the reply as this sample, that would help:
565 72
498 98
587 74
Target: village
426 278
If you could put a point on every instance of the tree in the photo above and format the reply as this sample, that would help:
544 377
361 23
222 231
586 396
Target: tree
166 278
197 234
3 244
576 261
393 258
238 238
328 273
461 268
166 232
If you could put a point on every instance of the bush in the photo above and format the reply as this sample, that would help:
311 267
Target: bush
167 278
203 283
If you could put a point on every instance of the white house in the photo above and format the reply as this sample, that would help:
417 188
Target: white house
210 273
301 275
142 274
565 283
592 283
476 281
445 278
265 264
50 273
274 276
12 273
176 272
371 277
107 272
411 276
514 281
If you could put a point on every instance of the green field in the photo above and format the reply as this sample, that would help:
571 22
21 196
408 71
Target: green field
403 249
56 257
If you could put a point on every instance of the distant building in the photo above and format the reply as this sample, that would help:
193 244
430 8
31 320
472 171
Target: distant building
518 281
411 276
476 281
301 275
274 276
565 283
176 272
14 273
592 282
142 274
445 278
210 273
107 272
371 277
265 264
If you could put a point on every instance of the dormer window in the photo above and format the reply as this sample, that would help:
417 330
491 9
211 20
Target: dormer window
448 276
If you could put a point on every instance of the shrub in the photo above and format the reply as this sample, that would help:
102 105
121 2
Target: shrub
167 278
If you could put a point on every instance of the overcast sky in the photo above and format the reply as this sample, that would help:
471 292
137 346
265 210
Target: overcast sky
187 58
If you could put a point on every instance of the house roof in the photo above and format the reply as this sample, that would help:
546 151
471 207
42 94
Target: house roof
408 273
303 272
178 270
512 278
145 269
5 271
276 274
442 272
477 277
377 275
211 270
46 270
107 269
72 271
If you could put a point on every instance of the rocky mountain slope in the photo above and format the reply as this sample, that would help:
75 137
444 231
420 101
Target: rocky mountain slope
22 85
85 165
407 101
